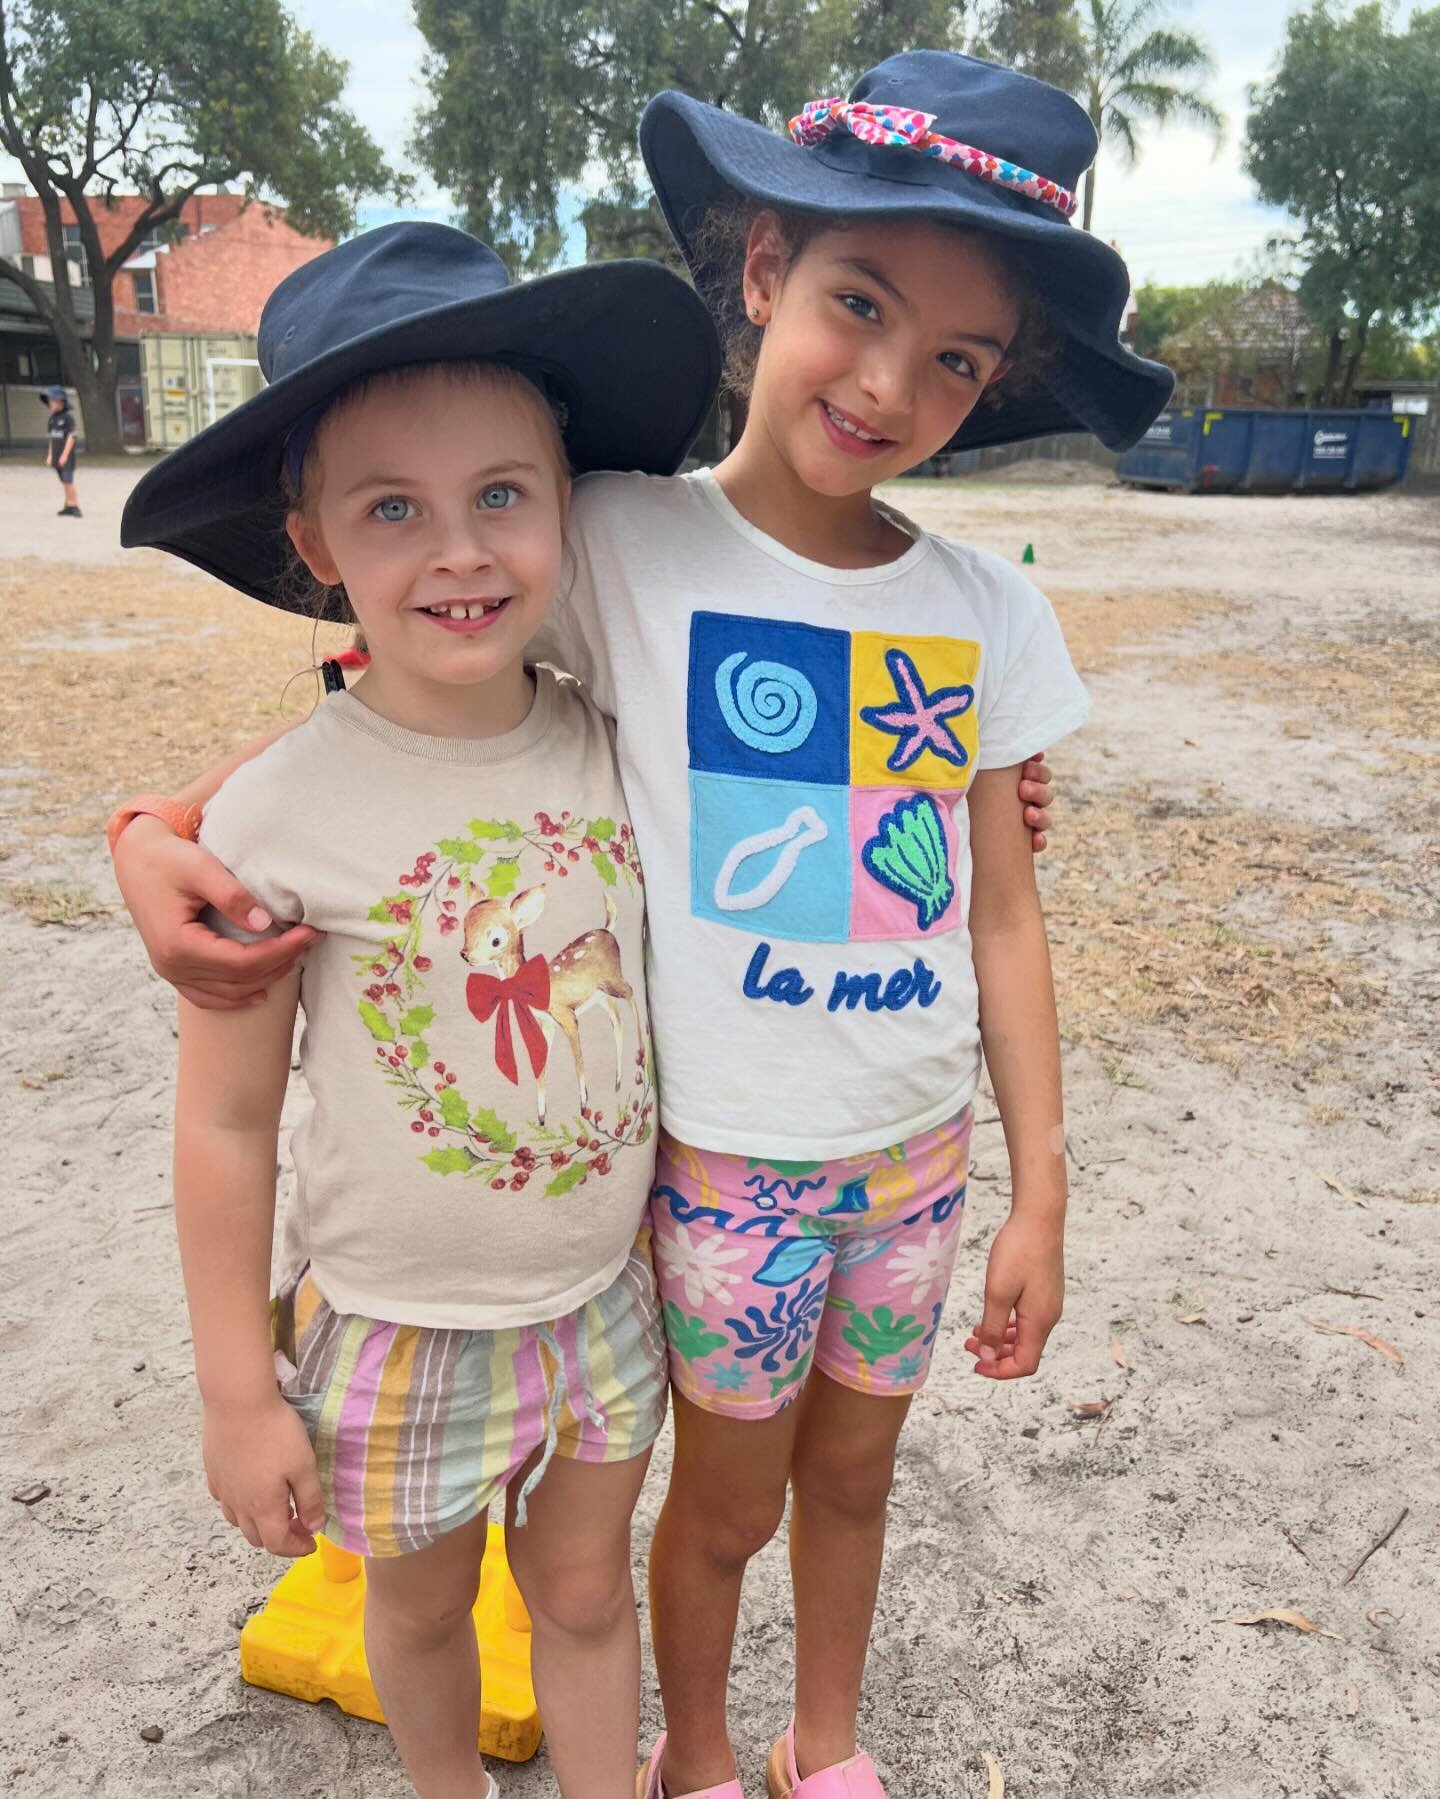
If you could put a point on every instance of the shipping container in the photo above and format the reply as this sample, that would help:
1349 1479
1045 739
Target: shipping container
189 382
1240 450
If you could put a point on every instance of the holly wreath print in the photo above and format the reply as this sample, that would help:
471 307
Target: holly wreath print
462 906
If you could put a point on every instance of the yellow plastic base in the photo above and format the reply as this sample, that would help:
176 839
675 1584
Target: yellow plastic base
309 1642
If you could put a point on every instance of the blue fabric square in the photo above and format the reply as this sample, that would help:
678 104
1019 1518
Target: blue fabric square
771 857
769 699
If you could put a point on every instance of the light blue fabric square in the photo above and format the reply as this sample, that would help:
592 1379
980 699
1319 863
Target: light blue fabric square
771 858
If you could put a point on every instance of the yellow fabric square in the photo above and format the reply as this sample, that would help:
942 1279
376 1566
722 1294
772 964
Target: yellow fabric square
912 711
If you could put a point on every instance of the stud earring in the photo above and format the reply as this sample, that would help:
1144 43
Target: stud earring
755 314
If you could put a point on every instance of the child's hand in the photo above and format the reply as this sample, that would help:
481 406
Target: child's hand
1037 795
167 883
1024 1296
257 1460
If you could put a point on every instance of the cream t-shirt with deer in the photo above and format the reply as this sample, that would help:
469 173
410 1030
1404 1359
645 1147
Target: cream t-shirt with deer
479 1148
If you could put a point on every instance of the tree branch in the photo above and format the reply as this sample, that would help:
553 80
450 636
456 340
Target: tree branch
33 290
159 211
719 12
92 113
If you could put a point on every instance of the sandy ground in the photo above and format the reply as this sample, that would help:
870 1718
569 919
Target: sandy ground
1243 896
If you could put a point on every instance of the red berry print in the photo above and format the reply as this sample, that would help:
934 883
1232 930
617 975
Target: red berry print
415 1125
423 964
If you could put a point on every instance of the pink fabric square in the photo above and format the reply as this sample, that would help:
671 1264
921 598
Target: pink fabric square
881 913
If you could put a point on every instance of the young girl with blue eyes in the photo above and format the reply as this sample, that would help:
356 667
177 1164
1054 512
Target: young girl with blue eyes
467 1311
821 712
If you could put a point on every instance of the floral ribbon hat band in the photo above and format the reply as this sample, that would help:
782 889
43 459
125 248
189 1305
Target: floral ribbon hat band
901 128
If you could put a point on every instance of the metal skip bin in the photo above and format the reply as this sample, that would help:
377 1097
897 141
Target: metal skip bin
1242 450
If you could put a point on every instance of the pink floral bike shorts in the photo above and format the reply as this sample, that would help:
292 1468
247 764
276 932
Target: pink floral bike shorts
769 1269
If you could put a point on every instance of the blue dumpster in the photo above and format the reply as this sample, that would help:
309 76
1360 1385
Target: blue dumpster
1235 449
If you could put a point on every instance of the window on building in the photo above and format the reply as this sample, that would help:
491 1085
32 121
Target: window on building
75 252
144 280
161 237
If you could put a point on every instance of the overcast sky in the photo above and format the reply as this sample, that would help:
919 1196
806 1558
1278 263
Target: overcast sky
1186 213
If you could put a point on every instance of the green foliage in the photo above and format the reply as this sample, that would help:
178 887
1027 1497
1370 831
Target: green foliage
493 1128
566 1179
1252 334
779 1382
163 96
1039 37
1136 66
1248 328
453 1109
689 1335
419 1054
376 1022
604 867
1346 137
504 878
489 830
416 1020
461 852
527 97
450 1161
879 1334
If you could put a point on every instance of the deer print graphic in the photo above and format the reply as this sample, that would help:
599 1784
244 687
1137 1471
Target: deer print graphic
543 995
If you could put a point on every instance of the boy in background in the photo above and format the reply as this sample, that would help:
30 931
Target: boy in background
61 453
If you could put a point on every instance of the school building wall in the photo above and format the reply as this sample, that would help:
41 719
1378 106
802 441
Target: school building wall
215 279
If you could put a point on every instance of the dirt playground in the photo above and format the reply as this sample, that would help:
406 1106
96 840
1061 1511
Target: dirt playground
1142 1574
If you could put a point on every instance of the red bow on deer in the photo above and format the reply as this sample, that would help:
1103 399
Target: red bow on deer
527 992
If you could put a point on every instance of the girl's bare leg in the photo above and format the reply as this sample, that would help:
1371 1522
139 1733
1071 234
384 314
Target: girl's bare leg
843 1467
420 1644
726 1500
572 1563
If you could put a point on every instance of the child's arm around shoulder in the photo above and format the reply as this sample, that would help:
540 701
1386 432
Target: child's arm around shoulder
167 884
1020 621
233 1070
1025 1279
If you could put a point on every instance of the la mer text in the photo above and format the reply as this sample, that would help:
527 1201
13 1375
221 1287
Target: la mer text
788 987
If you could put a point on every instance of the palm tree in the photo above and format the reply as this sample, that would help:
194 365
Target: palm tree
1132 62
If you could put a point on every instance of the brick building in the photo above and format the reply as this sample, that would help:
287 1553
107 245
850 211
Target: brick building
187 306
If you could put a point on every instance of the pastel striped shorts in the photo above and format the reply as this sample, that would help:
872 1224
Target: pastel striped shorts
417 1430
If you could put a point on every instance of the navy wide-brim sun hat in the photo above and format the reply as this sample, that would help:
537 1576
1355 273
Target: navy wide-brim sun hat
626 349
700 157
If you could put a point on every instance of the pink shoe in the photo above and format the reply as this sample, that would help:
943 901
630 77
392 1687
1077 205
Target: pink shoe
855 1779
648 1784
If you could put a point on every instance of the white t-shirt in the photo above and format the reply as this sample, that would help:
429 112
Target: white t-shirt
795 743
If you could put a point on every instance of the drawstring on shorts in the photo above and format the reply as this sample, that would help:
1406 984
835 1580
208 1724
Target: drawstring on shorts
561 1394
